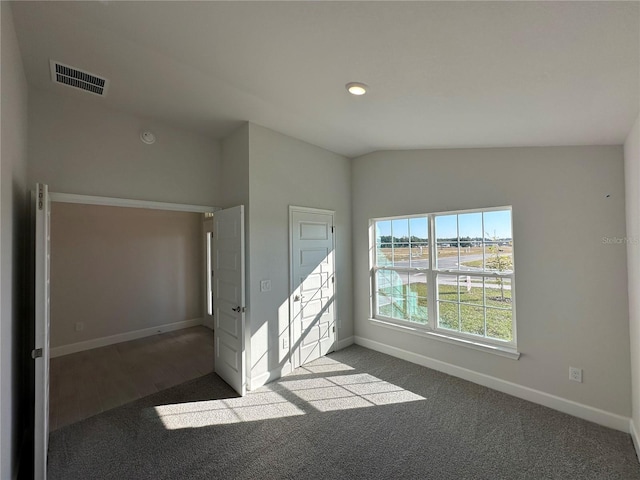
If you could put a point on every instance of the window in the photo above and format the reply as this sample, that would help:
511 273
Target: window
447 273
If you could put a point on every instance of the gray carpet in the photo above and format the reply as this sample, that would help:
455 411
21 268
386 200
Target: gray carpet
356 414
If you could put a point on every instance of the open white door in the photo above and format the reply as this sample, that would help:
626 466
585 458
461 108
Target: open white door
40 354
228 296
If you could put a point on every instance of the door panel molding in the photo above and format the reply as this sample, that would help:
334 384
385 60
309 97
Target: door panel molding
312 292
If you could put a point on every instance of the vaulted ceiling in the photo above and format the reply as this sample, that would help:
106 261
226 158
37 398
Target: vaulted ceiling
441 74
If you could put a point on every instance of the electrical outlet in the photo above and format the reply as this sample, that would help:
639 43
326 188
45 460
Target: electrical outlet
265 285
79 326
575 374
285 343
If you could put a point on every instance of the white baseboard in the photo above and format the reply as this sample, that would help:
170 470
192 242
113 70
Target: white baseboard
634 437
208 322
286 369
344 343
596 415
121 337
259 380
262 379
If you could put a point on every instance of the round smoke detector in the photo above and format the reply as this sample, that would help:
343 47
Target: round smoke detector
148 137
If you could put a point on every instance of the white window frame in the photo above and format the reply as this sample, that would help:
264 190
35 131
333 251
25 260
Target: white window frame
431 329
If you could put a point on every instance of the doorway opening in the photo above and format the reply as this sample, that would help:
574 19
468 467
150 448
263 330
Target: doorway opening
226 238
127 305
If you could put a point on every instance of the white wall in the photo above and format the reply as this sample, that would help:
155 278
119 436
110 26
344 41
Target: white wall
119 270
235 168
76 147
632 189
285 171
571 287
14 330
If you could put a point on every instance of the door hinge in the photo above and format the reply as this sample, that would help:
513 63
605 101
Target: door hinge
40 197
333 279
332 228
333 329
36 353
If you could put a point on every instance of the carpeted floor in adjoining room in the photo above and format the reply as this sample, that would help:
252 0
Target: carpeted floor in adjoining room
356 414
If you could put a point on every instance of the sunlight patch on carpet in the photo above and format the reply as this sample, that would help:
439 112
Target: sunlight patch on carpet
252 407
343 392
322 365
287 398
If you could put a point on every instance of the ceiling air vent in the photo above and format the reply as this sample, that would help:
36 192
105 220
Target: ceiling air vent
76 78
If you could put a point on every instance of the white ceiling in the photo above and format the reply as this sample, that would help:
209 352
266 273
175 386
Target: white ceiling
442 74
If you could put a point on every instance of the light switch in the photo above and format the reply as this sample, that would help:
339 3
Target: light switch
265 285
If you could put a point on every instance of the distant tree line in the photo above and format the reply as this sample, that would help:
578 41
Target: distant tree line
387 240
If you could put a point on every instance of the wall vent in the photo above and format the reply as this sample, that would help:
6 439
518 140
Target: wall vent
76 78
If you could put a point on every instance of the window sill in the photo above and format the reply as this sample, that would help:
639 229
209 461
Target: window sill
507 352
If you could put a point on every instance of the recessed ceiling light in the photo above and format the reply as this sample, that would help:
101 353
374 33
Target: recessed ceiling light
356 88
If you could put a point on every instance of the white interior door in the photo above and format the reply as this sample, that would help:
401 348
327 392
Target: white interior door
229 296
208 275
313 283
42 218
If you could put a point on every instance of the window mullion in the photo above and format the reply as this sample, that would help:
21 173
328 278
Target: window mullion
458 240
409 242
393 243
459 308
484 303
432 307
484 260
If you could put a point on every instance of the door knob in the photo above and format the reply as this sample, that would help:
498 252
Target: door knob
238 309
296 298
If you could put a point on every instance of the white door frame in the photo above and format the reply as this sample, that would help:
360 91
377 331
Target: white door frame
292 209
41 203
129 203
